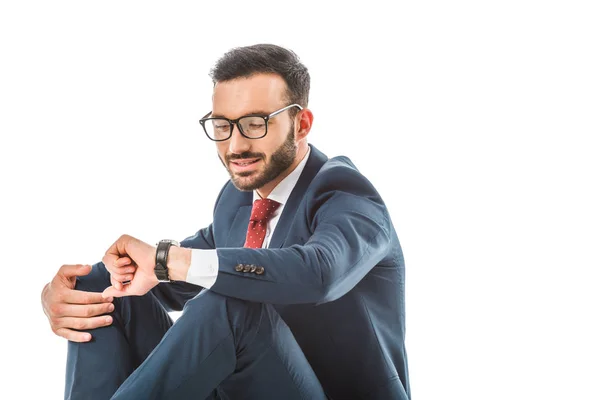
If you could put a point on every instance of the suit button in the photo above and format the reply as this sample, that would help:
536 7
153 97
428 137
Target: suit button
239 268
260 270
247 268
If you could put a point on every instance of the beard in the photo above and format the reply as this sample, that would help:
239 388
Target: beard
281 160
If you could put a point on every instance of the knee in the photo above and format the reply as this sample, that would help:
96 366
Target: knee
96 281
236 313
208 301
246 320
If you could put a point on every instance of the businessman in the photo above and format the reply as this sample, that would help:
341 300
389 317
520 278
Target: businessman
294 291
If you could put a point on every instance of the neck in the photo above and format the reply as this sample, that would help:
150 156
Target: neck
264 191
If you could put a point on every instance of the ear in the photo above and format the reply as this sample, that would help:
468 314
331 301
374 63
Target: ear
304 120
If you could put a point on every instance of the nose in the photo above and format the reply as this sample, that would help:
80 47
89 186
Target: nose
238 143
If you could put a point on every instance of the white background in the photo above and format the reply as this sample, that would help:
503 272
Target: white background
476 120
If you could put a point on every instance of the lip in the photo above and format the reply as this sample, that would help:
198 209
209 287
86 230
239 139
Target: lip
237 167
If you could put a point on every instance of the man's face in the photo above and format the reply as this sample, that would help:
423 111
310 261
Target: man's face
252 163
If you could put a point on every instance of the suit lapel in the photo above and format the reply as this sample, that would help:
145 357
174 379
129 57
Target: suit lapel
237 234
315 161
239 226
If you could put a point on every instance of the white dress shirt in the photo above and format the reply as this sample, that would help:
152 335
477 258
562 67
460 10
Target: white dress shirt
204 266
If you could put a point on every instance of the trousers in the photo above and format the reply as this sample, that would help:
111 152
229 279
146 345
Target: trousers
219 348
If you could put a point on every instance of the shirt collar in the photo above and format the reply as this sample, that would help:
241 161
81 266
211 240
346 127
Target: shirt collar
282 191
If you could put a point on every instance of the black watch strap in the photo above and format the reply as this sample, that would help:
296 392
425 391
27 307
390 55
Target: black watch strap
162 254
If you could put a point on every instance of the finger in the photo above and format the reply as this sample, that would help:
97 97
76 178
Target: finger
125 270
123 261
83 323
83 297
116 284
122 278
84 310
109 261
117 250
70 270
74 336
119 263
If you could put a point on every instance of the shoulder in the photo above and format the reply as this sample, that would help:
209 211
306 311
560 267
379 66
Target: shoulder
339 174
339 187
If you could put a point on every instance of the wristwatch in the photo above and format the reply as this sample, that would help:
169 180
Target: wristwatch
162 254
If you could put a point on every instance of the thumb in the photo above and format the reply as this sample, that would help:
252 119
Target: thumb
67 274
69 271
111 291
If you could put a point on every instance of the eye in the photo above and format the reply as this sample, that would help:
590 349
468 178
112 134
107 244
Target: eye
220 126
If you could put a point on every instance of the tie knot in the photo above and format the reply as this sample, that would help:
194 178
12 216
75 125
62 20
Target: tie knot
263 209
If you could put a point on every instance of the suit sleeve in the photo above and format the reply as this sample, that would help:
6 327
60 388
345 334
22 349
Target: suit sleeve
203 239
351 235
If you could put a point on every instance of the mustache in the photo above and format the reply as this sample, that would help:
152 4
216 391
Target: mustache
244 155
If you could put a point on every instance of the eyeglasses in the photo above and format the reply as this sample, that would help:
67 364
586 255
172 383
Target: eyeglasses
253 126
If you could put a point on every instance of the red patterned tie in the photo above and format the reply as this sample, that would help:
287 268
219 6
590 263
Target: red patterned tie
262 211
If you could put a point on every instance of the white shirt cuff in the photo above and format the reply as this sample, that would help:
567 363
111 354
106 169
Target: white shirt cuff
204 268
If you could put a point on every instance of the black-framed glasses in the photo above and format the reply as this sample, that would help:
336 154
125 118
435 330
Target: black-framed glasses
253 126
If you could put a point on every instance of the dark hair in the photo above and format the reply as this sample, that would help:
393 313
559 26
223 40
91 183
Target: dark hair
266 58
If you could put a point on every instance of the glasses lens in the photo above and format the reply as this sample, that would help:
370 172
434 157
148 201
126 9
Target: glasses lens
217 129
253 127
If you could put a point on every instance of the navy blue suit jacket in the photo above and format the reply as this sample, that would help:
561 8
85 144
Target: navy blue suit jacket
334 270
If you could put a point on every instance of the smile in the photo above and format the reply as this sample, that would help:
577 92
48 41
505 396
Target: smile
244 165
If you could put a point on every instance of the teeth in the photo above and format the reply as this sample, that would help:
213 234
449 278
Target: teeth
244 164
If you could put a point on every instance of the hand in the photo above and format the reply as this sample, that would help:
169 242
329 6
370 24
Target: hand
119 275
130 259
68 309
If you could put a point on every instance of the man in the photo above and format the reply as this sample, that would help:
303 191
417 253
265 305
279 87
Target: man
296 290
